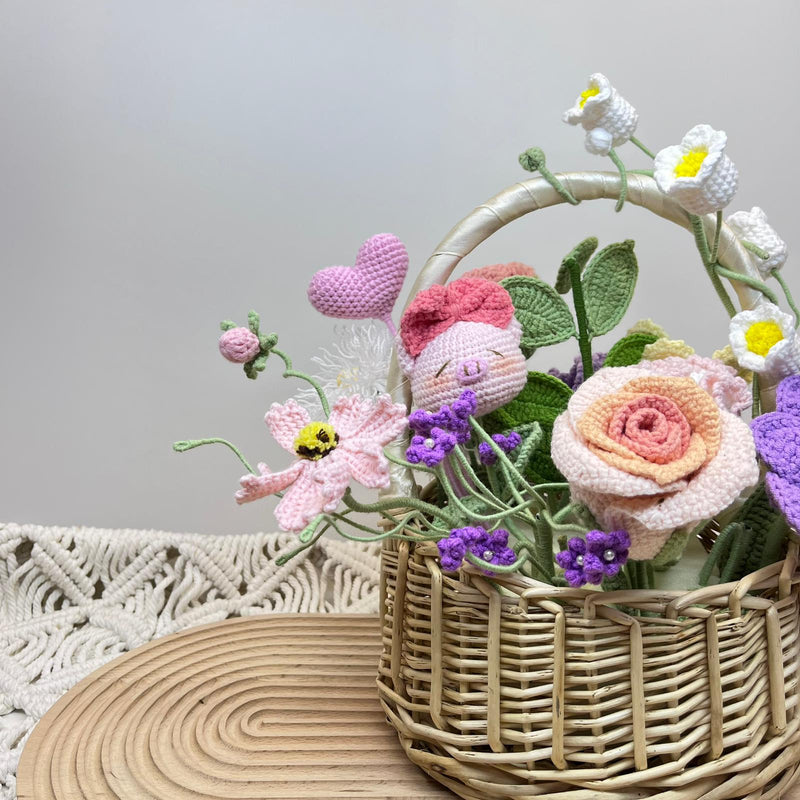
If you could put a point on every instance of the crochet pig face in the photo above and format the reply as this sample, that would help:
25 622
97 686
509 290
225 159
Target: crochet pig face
462 336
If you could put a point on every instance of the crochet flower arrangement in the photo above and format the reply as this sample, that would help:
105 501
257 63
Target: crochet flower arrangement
595 476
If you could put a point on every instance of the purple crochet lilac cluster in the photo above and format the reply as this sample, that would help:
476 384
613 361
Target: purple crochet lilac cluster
506 444
574 378
490 547
600 555
777 438
431 449
453 418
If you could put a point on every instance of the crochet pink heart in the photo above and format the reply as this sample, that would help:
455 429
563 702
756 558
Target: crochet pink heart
367 290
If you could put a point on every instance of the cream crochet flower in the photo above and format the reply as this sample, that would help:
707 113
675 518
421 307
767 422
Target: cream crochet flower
696 172
607 117
764 340
751 226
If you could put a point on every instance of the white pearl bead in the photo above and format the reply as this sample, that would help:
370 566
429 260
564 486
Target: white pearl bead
579 560
430 444
488 555
609 555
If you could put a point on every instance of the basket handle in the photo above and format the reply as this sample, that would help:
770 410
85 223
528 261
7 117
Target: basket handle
537 193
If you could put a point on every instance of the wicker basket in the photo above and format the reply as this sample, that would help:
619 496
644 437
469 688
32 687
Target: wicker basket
513 688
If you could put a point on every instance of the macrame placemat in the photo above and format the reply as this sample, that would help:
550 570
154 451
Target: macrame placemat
72 599
281 706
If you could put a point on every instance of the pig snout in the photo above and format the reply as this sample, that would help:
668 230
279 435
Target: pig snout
471 370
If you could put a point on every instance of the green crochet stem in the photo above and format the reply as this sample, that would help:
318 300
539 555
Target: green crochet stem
291 373
717 232
755 409
705 255
755 249
393 503
533 160
578 300
623 176
646 150
190 444
308 542
403 463
788 295
753 283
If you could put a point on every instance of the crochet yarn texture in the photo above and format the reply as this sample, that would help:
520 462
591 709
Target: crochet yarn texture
369 288
435 310
74 598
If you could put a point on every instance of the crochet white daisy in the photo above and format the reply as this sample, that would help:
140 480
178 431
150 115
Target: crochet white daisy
764 340
607 117
696 172
751 226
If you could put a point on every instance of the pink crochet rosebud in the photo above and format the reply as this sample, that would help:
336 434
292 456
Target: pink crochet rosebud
239 345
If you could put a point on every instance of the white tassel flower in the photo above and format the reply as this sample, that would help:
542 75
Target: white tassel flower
764 340
696 172
751 226
607 117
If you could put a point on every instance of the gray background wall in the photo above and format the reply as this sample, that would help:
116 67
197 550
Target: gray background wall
165 165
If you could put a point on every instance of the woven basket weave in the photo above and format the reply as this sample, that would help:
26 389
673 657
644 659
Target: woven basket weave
514 688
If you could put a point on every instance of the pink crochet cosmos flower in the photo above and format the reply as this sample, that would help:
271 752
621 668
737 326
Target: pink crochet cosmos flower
651 453
330 454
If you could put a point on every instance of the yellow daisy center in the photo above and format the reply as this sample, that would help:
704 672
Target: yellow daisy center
690 164
761 337
592 91
316 440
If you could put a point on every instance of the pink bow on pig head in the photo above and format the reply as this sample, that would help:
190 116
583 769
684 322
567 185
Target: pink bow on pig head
462 335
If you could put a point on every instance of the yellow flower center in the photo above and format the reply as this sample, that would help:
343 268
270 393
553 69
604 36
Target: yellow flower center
761 337
592 91
316 440
690 164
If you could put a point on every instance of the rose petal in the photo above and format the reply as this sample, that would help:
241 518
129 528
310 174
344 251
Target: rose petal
650 521
777 437
685 407
583 468
285 422
786 496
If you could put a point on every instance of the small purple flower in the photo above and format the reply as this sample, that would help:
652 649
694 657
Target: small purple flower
490 547
431 449
453 418
506 444
599 556
777 439
574 378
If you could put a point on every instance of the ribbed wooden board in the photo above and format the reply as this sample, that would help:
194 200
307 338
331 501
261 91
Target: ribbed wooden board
274 706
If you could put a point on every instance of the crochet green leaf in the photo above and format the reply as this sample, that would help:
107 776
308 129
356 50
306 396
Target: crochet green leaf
541 401
544 316
629 350
608 285
580 255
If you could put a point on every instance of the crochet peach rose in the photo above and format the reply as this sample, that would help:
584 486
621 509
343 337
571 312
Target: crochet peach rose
651 453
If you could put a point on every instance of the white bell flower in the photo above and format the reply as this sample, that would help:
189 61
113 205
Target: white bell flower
696 172
607 117
751 226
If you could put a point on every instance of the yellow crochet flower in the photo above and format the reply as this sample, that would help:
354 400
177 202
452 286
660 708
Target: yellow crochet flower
648 326
664 348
